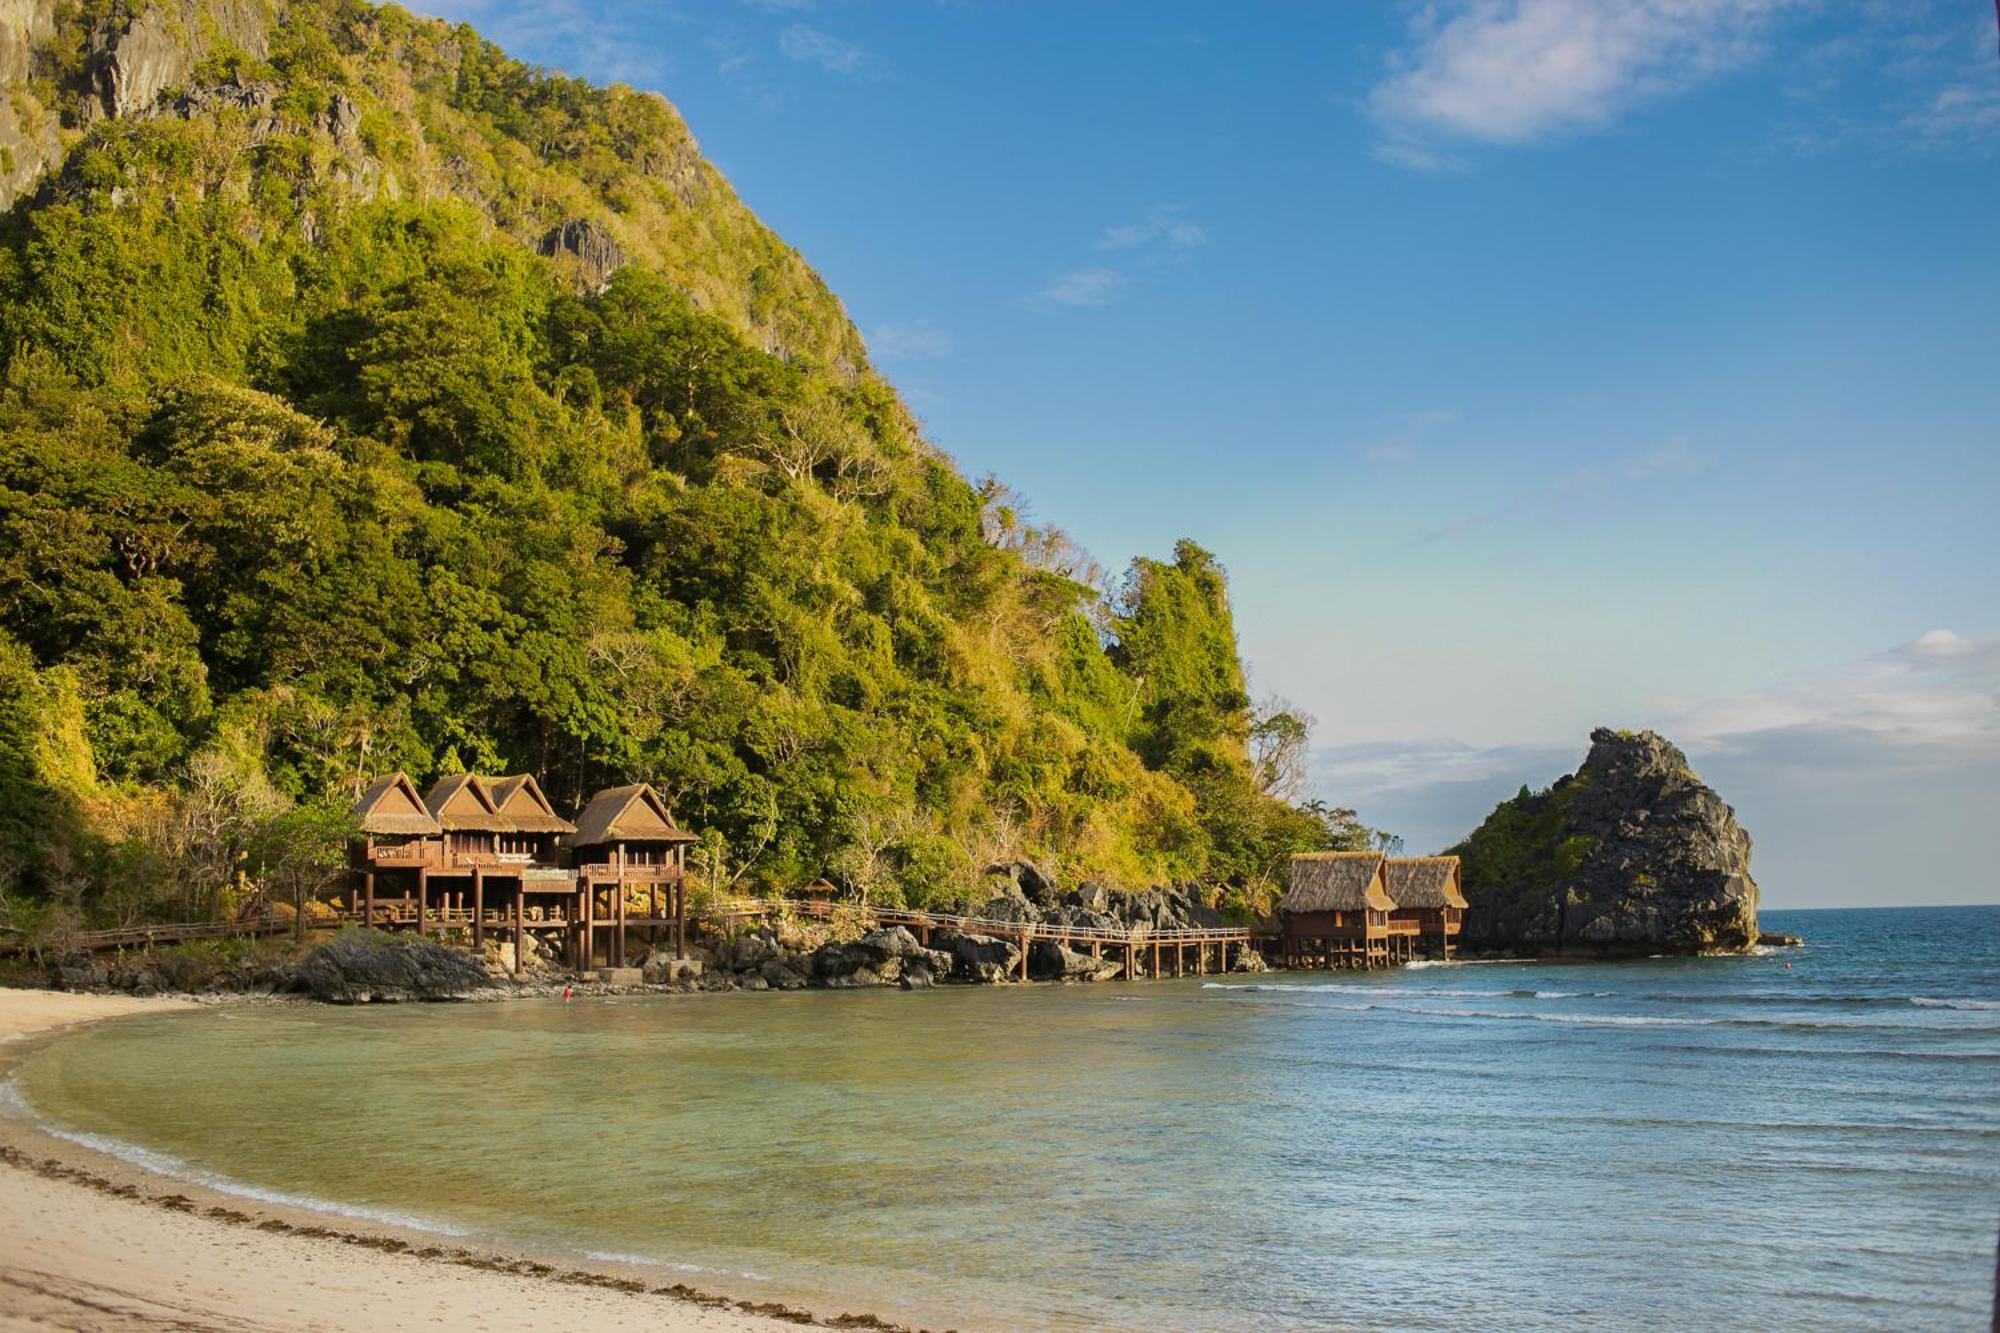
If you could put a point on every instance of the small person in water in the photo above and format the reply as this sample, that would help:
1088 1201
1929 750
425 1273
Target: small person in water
566 989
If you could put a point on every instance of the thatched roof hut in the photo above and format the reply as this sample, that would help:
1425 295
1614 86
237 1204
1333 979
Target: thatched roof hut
520 801
1424 882
1336 882
392 808
463 804
633 813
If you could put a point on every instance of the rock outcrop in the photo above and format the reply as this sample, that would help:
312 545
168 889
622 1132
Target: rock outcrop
1631 854
596 252
360 966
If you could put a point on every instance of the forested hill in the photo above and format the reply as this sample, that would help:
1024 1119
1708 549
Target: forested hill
372 400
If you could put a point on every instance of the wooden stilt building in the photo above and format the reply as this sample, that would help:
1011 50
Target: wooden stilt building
626 840
478 856
1335 912
1430 907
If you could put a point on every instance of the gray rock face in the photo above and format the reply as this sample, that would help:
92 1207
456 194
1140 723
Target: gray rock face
979 958
359 966
1049 961
1632 854
28 130
130 66
593 247
879 958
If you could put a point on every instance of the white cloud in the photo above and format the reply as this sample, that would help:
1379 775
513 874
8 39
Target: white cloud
1939 690
810 46
1869 782
919 338
1519 71
1083 287
1165 226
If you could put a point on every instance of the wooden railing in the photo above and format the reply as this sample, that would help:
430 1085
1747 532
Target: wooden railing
140 937
1034 930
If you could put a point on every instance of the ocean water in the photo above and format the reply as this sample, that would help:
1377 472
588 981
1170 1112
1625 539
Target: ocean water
1804 1139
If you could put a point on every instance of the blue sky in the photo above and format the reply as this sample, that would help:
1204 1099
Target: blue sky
1531 364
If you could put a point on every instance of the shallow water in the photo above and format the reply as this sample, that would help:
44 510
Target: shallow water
1493 1145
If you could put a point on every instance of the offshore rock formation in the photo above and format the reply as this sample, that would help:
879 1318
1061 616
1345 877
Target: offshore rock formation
1631 854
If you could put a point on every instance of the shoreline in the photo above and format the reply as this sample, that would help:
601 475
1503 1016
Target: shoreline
89 1240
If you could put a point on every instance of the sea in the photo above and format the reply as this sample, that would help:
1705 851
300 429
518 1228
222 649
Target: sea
1802 1138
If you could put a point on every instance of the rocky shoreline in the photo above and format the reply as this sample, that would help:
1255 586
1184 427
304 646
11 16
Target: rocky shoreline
785 954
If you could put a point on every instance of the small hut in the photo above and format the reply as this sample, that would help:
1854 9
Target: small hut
399 840
1429 901
465 810
533 824
626 838
1335 912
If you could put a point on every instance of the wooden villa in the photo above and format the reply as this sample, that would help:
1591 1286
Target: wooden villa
1430 906
477 855
626 837
1335 912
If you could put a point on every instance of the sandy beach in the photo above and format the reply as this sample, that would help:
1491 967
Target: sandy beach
90 1243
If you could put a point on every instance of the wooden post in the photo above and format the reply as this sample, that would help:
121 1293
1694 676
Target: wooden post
423 887
520 935
680 911
589 924
479 907
618 944
368 897
1156 960
1024 953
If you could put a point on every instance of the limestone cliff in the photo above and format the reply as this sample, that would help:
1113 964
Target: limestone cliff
1631 854
326 106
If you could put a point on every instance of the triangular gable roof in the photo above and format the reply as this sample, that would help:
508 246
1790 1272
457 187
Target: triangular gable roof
1423 881
519 798
1336 882
462 803
633 813
391 806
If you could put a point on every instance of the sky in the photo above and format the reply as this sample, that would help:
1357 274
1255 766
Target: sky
1531 365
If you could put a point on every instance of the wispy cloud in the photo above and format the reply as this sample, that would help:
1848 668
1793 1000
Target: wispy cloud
1165 226
809 46
919 339
1864 783
1083 287
1585 491
1399 444
1512 72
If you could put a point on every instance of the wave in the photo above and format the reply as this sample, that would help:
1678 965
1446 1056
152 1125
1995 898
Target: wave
1928 1002
174 1168
1388 991
648 1261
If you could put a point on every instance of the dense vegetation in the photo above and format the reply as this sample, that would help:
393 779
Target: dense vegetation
1524 852
312 467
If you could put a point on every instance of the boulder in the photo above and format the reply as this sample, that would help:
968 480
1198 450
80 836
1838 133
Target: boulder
1632 854
876 959
359 966
981 958
1089 896
1248 960
663 969
1050 961
1010 907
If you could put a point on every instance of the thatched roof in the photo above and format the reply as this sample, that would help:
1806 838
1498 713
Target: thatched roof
519 798
391 806
1336 882
626 814
462 803
1423 881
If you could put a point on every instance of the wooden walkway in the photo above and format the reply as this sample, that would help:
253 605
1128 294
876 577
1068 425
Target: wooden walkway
1172 950
145 937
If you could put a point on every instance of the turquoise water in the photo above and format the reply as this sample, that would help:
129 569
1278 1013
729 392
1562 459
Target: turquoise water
1529 1146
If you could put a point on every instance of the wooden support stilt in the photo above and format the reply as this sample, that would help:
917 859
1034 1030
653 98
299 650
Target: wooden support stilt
680 917
478 908
423 887
368 898
520 934
1024 955
589 927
